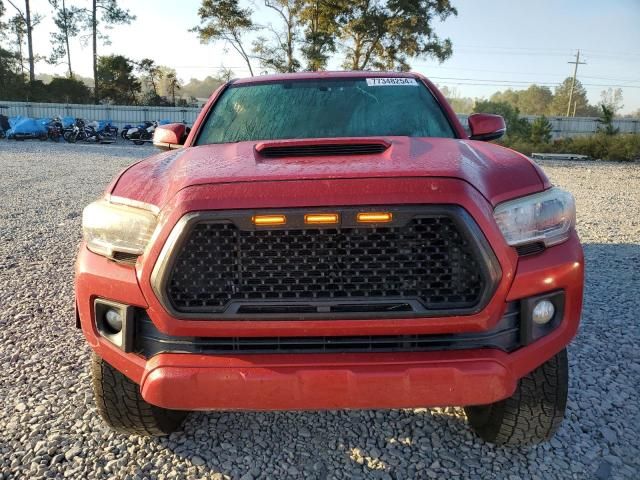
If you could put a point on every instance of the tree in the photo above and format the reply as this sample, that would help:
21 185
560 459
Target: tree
168 81
68 90
606 120
29 22
110 14
581 103
18 29
279 53
516 127
117 82
612 99
151 76
321 27
385 34
68 21
535 100
201 88
541 130
225 20
173 85
3 25
225 75
459 103
12 81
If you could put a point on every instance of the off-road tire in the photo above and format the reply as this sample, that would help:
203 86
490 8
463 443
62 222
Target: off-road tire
122 407
534 412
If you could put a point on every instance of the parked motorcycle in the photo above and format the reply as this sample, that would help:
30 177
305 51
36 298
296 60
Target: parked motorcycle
143 133
55 129
4 125
104 129
81 132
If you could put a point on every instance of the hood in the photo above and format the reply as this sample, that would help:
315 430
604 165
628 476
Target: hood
496 172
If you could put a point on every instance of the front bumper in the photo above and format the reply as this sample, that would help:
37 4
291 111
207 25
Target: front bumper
337 380
287 381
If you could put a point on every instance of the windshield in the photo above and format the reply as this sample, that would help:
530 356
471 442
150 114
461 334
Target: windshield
358 107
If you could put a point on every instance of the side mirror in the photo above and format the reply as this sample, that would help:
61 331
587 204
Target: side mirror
485 126
170 136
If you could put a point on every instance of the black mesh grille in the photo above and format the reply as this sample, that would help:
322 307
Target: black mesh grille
428 260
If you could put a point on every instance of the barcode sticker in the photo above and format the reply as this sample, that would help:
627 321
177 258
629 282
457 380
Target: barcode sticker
384 82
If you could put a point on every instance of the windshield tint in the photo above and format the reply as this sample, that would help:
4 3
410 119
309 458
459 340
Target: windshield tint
325 108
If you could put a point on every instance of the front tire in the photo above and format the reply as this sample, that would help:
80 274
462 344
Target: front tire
533 413
122 407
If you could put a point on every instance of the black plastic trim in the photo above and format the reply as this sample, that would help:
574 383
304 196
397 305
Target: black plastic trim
122 339
531 331
530 248
149 341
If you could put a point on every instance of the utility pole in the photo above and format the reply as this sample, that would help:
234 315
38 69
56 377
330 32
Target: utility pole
94 28
573 82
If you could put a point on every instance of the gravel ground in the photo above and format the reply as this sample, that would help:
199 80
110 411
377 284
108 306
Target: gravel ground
49 426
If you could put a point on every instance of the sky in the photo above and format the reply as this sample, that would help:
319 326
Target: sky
497 44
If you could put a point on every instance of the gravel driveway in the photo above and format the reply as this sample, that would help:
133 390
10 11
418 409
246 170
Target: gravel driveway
49 426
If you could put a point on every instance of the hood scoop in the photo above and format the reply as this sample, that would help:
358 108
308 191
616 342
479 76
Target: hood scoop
321 147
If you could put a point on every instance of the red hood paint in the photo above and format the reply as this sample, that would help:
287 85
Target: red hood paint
496 172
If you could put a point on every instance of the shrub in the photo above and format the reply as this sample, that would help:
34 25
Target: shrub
621 147
541 130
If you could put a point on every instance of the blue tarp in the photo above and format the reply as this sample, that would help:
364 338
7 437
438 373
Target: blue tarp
26 126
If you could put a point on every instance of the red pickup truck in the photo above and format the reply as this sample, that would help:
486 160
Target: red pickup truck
331 241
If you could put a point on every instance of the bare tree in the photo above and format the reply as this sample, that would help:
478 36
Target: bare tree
225 20
279 53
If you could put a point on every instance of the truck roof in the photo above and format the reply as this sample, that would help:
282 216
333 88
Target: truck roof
323 75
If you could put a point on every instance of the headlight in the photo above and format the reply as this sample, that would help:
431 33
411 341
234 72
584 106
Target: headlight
544 217
110 228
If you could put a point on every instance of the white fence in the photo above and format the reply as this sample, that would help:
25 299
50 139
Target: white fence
574 126
563 127
119 115
123 115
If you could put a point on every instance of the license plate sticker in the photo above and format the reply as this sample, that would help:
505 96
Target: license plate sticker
391 81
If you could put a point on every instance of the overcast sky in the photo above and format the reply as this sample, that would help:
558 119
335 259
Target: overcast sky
497 44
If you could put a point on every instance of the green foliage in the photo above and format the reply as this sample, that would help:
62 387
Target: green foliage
110 13
68 21
579 100
68 90
151 75
541 130
117 83
321 28
385 34
225 20
517 128
12 81
458 103
606 120
623 147
535 100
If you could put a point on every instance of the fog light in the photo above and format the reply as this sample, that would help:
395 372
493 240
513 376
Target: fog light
543 312
113 319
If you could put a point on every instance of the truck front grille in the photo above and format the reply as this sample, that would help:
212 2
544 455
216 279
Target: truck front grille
427 262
